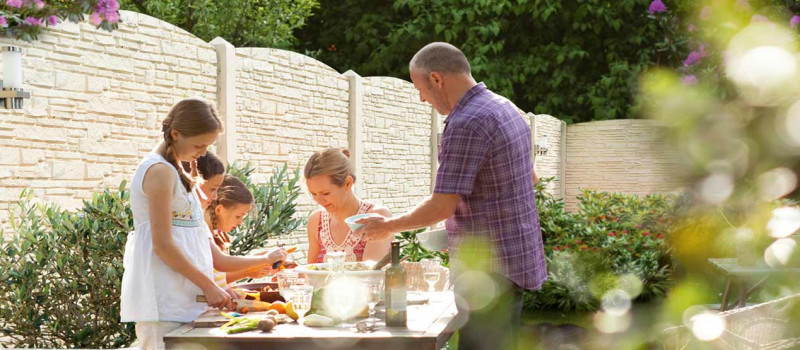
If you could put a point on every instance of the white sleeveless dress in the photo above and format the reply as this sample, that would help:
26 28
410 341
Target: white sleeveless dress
151 290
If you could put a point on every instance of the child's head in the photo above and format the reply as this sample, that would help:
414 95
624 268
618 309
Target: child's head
190 127
233 202
209 171
330 176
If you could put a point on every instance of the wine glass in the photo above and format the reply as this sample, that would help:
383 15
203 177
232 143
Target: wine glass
431 271
286 279
374 292
301 301
335 261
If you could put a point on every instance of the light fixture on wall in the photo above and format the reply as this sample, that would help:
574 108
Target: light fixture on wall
541 148
12 94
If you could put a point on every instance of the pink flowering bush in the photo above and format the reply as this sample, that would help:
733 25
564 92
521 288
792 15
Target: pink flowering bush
610 236
25 19
689 25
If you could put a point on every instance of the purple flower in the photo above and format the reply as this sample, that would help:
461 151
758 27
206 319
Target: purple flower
689 79
39 3
95 19
758 18
743 4
695 56
107 6
52 20
33 21
657 6
690 28
3 22
14 3
705 12
794 21
112 17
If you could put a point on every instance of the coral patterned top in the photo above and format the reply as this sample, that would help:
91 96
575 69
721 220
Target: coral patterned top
353 245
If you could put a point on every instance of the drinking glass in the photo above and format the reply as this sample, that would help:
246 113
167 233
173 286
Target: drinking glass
335 261
374 292
301 301
286 279
431 271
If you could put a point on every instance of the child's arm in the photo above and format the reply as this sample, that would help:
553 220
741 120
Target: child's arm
232 277
158 186
313 237
227 263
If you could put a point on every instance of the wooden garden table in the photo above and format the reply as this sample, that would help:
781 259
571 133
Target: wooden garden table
430 325
739 277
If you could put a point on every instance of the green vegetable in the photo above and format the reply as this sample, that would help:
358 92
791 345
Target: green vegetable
240 324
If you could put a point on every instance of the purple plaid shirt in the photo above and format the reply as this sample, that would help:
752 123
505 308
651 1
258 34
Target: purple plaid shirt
485 156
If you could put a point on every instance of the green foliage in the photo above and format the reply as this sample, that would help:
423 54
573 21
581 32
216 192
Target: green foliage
274 210
412 250
243 23
613 241
577 60
61 274
63 270
612 235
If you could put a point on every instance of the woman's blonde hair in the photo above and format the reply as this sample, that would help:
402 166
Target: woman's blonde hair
334 162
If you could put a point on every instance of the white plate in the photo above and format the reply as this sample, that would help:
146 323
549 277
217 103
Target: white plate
316 278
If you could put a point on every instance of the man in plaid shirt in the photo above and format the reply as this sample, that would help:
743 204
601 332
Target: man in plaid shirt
484 189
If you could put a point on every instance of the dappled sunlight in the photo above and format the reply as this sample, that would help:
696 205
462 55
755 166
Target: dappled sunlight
610 323
616 302
716 187
477 289
707 326
345 296
776 183
784 222
779 253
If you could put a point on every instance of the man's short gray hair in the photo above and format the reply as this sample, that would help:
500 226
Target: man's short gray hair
440 57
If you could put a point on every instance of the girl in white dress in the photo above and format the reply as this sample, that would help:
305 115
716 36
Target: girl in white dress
169 258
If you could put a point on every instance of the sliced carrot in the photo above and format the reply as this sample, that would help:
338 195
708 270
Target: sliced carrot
244 310
291 250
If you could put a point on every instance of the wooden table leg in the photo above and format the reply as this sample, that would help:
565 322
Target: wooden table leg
726 296
755 287
742 294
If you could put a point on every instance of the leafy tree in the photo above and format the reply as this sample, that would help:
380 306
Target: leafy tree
577 60
243 23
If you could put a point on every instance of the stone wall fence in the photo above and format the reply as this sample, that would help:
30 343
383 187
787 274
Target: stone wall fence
97 100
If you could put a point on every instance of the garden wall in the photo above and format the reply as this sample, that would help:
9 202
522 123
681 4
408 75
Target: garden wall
97 100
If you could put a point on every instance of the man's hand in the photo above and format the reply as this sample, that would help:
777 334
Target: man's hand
375 228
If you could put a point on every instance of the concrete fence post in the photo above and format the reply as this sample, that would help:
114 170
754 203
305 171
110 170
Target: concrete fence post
226 97
355 135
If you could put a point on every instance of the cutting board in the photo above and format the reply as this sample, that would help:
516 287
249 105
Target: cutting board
212 318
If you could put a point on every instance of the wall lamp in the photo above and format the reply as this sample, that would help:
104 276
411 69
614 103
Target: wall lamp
541 148
12 94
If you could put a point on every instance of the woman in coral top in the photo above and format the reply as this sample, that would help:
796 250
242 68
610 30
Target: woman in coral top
330 179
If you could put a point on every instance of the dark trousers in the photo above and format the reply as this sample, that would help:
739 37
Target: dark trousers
495 326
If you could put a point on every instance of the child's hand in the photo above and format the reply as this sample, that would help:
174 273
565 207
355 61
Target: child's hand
276 254
218 298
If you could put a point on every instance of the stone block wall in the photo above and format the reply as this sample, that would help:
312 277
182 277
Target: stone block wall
287 107
629 156
97 101
397 165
